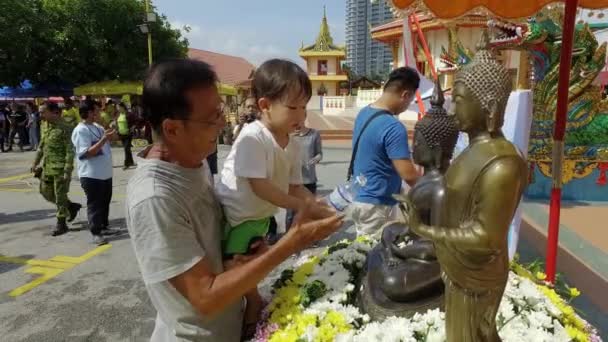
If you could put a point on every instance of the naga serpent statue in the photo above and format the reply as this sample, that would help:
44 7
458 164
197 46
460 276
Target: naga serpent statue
586 140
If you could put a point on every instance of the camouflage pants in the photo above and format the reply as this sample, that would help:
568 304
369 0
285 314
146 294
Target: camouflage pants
55 190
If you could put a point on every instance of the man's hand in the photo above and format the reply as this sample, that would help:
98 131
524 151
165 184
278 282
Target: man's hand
67 175
109 134
315 160
258 248
305 231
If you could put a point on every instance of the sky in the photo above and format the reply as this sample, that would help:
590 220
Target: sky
256 30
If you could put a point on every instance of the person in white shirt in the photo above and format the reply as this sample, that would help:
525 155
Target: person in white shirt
94 156
263 172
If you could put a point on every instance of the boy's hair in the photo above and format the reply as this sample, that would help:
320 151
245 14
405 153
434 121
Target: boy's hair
404 78
166 85
276 79
86 107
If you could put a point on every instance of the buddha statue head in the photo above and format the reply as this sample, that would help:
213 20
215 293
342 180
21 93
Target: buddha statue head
435 135
481 91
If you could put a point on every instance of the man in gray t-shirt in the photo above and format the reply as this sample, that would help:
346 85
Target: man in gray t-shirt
163 195
176 223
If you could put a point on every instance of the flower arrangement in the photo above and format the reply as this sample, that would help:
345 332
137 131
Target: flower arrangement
314 301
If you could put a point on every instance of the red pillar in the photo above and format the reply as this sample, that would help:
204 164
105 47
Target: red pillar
558 137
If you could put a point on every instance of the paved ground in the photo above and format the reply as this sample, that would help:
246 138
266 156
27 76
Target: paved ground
101 298
91 294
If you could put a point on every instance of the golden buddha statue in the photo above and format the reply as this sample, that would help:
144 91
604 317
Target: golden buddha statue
484 185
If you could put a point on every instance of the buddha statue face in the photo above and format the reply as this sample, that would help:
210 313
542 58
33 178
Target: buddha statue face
467 110
481 91
423 154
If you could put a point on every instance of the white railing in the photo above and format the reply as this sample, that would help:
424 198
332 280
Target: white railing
334 105
366 97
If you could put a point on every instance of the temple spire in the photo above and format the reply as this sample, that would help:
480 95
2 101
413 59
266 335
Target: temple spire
324 40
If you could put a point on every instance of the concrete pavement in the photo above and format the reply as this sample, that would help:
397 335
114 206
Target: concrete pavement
101 298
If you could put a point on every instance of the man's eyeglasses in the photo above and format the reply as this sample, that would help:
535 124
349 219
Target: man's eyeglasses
218 119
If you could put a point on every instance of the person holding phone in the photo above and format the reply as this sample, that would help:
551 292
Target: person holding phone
94 156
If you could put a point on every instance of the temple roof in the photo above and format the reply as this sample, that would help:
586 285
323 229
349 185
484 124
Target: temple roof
324 45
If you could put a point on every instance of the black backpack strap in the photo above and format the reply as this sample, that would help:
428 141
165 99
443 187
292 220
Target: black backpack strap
356 146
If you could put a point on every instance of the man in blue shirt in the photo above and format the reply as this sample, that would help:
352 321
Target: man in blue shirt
383 155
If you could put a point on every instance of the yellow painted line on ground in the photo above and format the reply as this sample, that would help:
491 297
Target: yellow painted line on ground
82 258
17 177
16 190
47 274
48 269
35 262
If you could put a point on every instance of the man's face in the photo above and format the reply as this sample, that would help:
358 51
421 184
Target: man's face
49 115
198 134
466 109
250 106
97 112
406 100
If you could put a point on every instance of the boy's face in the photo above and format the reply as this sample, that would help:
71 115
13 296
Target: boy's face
287 115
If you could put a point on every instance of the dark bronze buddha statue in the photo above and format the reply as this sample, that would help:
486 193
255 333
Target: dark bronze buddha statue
402 272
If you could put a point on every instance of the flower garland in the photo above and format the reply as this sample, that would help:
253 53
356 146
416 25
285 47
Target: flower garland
313 301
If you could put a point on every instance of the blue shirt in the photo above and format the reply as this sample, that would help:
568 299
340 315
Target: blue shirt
384 140
99 166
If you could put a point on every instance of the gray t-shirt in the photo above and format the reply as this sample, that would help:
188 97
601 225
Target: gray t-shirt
310 146
174 221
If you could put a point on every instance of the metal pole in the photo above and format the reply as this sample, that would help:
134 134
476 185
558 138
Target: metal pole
147 2
558 137
425 46
407 63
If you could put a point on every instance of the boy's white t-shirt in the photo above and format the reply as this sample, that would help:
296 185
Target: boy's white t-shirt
256 154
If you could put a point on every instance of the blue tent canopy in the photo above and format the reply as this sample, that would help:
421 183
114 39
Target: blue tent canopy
26 89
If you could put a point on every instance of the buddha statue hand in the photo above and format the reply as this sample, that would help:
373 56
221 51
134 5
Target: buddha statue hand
410 212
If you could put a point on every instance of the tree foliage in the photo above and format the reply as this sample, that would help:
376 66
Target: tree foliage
80 41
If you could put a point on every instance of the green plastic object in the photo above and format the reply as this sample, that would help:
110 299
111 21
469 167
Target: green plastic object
239 238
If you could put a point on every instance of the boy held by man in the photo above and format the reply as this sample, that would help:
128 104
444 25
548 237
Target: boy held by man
263 172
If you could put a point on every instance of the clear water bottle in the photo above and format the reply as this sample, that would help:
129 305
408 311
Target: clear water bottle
344 194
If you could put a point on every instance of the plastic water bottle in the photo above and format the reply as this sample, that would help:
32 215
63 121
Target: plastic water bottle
344 194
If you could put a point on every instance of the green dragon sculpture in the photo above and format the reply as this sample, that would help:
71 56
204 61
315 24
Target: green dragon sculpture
586 141
456 56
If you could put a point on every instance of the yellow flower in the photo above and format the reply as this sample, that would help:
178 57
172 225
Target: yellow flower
576 334
284 336
574 292
541 276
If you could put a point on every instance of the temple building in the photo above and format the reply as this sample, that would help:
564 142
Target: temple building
323 63
451 44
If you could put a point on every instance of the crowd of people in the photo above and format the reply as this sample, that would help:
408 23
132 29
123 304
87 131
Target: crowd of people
80 132
19 122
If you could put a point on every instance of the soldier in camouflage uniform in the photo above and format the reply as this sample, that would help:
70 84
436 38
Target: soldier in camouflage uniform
58 153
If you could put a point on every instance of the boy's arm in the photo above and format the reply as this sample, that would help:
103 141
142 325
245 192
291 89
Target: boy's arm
300 191
267 191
